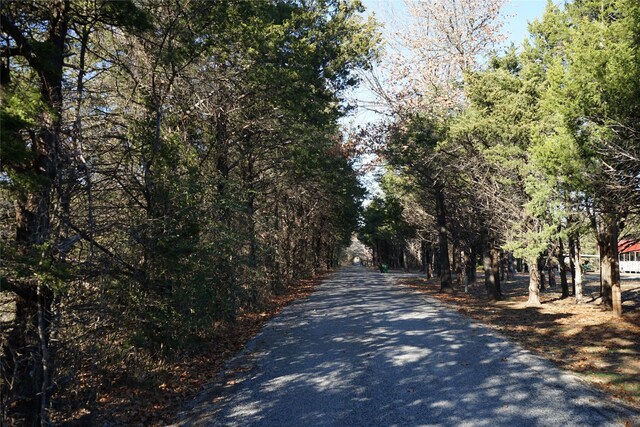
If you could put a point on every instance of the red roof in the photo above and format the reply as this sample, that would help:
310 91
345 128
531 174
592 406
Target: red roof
625 246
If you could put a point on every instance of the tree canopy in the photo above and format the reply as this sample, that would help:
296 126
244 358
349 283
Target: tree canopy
537 147
166 166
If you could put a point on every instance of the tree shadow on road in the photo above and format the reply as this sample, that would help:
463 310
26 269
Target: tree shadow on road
354 358
580 337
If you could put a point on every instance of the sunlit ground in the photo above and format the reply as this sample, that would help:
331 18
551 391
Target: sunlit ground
580 337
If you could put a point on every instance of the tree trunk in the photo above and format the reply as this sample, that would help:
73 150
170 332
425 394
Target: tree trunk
22 361
610 271
446 284
453 258
45 317
471 264
26 353
572 264
458 266
534 283
496 267
429 256
405 266
466 260
490 275
540 266
577 268
563 271
251 225
433 261
512 265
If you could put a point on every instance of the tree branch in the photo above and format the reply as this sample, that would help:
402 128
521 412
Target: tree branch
23 291
132 269
23 48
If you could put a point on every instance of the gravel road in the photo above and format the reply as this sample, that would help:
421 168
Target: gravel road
362 351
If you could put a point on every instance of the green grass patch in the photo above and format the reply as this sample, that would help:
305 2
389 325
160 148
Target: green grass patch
627 383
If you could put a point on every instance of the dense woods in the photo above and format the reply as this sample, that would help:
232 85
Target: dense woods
509 160
165 166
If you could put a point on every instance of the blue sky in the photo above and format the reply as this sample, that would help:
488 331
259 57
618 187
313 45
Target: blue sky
519 12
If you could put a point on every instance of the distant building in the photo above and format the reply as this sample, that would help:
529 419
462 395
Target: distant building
629 255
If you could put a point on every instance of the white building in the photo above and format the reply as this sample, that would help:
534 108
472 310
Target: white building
629 255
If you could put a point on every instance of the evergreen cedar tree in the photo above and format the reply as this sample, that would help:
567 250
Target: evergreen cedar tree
171 165
541 150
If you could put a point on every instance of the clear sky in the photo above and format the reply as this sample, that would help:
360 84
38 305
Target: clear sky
519 12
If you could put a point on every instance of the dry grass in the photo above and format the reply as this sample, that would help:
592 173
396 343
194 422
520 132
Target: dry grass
582 338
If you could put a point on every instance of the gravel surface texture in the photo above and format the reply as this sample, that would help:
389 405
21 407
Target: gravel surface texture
362 351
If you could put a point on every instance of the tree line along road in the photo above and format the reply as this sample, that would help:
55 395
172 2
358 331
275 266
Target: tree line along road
361 351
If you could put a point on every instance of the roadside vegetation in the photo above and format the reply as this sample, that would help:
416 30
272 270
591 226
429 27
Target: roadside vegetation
519 162
168 168
172 171
510 174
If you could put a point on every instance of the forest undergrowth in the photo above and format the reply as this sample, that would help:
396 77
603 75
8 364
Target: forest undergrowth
154 398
